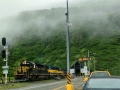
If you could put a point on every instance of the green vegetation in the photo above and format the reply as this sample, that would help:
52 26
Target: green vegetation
12 86
43 38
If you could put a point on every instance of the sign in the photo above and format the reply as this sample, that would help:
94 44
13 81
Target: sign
5 69
72 71
82 70
84 59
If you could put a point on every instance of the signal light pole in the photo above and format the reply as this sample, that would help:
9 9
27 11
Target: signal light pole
5 57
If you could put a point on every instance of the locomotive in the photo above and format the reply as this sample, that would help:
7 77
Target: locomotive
31 71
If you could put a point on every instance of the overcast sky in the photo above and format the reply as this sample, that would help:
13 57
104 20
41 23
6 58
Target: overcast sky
13 7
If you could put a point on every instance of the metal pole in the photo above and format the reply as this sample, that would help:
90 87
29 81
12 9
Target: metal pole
69 85
89 61
6 55
6 48
80 69
67 39
84 63
94 61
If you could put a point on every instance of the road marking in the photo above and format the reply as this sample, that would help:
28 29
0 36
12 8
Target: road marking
58 88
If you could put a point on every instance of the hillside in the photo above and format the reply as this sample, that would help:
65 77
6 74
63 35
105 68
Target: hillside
40 36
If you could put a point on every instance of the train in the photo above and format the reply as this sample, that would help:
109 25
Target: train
31 71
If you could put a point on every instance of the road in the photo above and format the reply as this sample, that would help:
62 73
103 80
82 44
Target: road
53 85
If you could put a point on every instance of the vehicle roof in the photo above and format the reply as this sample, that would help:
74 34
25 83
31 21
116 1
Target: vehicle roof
102 83
105 77
112 77
99 71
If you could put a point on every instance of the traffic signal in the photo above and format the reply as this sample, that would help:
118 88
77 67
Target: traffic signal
3 41
3 54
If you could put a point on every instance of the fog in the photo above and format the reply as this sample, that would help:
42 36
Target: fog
13 7
10 10
89 10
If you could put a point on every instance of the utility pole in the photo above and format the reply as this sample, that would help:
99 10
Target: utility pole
67 39
69 85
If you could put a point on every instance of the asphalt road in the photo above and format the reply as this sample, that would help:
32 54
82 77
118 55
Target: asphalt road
53 85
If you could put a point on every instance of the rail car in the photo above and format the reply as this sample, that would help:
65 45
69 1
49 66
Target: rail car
30 71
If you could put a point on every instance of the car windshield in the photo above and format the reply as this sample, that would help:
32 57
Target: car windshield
97 74
104 83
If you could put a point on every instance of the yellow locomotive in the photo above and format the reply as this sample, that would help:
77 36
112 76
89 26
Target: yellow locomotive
30 71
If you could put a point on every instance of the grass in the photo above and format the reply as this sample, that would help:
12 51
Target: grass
12 85
18 85
22 84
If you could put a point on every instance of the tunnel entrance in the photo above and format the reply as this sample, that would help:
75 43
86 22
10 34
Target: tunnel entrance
77 68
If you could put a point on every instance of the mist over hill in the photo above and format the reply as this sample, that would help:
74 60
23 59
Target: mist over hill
40 35
98 15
